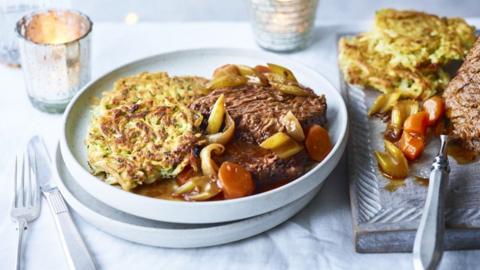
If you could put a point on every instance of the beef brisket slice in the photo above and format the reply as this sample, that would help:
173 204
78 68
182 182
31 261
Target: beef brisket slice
462 100
266 168
257 110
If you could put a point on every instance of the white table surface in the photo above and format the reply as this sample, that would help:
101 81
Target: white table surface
320 237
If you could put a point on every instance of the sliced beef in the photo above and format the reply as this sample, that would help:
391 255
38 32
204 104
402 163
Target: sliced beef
267 168
462 100
257 110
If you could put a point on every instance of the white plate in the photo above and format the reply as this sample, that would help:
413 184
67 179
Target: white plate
164 234
198 62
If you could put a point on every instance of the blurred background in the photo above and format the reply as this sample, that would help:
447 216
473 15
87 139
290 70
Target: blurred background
236 10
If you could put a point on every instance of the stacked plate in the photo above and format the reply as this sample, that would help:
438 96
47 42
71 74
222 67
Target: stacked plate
187 224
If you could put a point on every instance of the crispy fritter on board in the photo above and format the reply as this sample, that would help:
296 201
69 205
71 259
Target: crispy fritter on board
363 66
417 39
405 51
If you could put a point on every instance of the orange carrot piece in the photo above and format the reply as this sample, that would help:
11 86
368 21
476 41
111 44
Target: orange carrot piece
435 109
416 123
236 182
318 143
411 146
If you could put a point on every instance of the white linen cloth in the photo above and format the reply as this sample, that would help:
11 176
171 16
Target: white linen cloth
319 237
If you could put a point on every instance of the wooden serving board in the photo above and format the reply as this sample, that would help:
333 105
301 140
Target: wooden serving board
386 216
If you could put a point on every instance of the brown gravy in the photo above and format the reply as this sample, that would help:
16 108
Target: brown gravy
422 181
242 152
162 189
460 154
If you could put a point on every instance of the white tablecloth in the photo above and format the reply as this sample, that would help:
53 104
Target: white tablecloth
320 237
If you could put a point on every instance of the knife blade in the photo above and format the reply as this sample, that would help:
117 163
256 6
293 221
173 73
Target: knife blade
77 254
44 173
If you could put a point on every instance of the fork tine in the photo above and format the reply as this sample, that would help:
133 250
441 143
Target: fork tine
15 177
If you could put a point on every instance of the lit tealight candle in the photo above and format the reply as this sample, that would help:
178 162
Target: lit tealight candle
55 54
283 25
131 18
55 27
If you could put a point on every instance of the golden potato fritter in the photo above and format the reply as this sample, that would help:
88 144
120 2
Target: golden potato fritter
143 130
416 39
362 65
405 51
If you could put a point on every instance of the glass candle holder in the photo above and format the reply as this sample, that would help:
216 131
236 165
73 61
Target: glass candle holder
54 48
283 25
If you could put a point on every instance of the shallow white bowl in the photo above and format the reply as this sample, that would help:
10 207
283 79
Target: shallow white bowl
199 62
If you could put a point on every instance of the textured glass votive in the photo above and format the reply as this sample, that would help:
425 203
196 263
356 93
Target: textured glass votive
54 47
283 25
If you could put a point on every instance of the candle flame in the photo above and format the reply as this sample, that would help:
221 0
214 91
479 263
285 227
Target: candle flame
55 28
131 18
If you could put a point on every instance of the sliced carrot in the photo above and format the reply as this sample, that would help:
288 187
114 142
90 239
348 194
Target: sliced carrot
416 123
186 174
412 146
318 143
236 182
435 108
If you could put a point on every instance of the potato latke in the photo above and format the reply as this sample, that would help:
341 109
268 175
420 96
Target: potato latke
406 52
143 130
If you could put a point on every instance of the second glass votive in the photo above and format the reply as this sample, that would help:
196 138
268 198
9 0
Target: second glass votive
54 47
283 25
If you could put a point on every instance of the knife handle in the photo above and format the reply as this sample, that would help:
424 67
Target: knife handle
75 249
428 245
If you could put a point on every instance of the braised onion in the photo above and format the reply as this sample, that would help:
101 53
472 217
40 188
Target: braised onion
216 115
251 73
402 110
228 69
246 70
226 81
392 162
275 141
226 135
190 184
209 167
292 126
290 89
210 190
282 145
287 73
198 188
384 103
288 149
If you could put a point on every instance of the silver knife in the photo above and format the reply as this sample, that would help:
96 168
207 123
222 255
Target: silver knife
75 249
428 245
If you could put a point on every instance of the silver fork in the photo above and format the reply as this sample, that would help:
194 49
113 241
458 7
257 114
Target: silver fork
26 199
